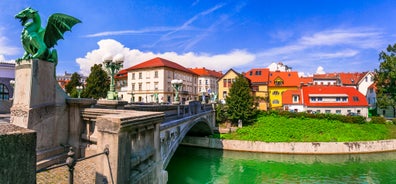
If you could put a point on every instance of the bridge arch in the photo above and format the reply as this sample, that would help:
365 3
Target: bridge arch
172 133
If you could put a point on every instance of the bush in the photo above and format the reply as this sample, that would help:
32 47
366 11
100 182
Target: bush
378 120
394 121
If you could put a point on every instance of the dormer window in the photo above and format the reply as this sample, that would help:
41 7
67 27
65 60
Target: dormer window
278 82
355 98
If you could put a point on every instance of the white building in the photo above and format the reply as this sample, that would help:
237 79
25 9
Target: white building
207 81
150 82
7 73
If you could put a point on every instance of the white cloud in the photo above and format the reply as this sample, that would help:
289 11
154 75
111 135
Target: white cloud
188 60
320 70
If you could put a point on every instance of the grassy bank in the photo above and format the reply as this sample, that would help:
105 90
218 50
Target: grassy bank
274 128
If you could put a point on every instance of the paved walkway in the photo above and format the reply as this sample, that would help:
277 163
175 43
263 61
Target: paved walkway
84 173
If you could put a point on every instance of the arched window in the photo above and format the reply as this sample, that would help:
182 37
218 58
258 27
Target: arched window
4 95
275 102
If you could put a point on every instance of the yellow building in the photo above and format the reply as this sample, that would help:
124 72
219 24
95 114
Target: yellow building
280 82
225 83
259 82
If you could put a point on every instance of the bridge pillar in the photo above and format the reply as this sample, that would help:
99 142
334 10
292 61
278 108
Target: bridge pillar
133 141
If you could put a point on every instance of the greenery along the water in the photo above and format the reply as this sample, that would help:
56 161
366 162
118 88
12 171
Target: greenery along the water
276 128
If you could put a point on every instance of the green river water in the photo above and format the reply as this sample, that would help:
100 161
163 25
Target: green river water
191 165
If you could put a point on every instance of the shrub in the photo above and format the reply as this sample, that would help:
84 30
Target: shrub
378 120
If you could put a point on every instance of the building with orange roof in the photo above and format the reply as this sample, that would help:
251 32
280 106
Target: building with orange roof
121 79
225 82
334 99
207 82
292 101
280 82
259 78
150 82
326 99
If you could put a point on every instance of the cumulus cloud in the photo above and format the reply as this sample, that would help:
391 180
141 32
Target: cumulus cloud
320 70
189 60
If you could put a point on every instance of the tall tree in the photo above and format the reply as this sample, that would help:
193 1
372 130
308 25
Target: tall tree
98 83
240 102
72 84
385 79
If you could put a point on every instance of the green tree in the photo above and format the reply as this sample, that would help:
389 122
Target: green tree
240 102
385 79
98 83
72 84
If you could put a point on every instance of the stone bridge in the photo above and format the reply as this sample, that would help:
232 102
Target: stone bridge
142 138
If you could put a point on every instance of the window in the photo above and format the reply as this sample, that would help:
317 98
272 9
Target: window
320 99
355 98
133 86
155 85
258 72
313 99
278 82
156 74
344 99
206 82
327 111
224 94
4 95
338 99
275 102
275 93
250 73
229 83
317 111
140 75
224 82
366 79
295 98
140 86
133 76
338 111
200 82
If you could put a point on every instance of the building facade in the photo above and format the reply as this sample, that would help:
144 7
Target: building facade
259 83
225 83
207 83
7 74
150 82
280 82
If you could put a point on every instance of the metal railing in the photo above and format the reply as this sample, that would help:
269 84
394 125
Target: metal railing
71 162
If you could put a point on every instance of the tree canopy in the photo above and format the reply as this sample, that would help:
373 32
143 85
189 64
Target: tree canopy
240 102
385 79
72 84
98 83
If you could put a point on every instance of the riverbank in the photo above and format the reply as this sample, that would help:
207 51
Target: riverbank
293 147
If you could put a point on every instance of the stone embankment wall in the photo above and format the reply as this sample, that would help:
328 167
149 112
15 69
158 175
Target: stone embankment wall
294 147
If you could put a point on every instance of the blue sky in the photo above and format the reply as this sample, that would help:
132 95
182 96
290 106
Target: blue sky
332 35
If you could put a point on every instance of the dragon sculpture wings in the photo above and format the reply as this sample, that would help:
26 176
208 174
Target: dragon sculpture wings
38 41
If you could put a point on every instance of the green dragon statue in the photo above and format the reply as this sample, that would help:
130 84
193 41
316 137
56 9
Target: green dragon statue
38 41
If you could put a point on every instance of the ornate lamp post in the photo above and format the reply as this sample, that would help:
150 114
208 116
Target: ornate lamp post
112 65
132 97
12 83
177 84
79 90
203 96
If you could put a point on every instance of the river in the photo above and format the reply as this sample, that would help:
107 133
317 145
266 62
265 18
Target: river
192 165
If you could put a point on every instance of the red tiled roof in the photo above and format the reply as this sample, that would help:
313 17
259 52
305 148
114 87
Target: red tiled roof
351 78
325 76
206 72
333 90
287 97
121 74
159 62
306 80
289 78
258 75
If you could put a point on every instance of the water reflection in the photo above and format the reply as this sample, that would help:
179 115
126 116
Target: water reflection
197 165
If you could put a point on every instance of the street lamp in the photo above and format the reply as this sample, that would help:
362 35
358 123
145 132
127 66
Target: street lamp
132 97
177 84
12 83
112 65
79 90
203 95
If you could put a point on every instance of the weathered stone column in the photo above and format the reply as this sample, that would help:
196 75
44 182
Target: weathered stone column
133 141
40 104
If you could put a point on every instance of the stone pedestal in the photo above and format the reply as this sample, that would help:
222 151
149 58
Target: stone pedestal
40 104
17 154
